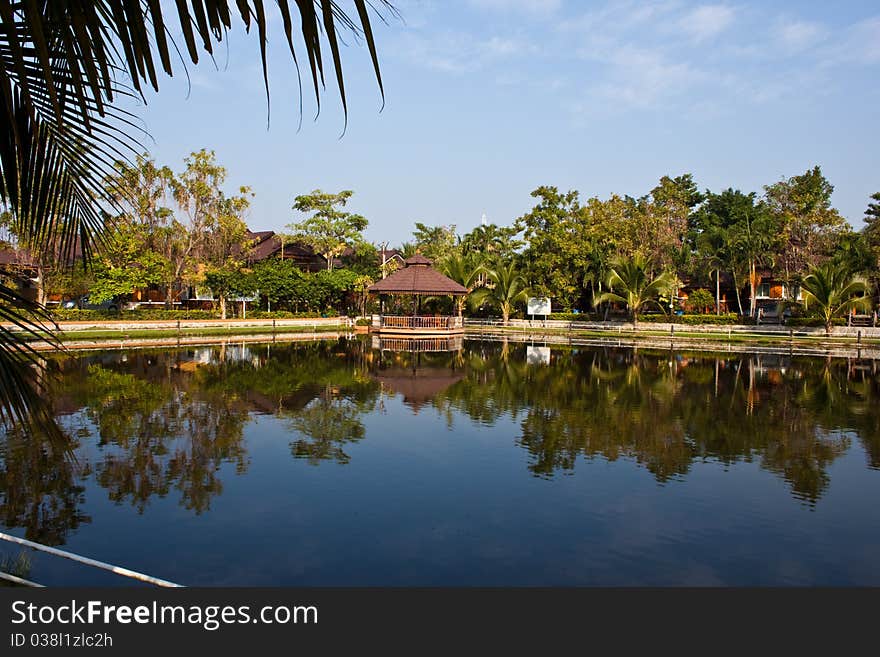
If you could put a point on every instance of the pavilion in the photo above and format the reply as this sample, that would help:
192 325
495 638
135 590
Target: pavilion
417 279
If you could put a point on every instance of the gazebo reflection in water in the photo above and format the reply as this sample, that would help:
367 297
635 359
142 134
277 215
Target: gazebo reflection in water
418 369
418 345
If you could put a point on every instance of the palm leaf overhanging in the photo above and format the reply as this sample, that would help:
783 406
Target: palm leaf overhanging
63 66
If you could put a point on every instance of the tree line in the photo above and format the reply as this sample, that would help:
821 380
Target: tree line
183 229
639 250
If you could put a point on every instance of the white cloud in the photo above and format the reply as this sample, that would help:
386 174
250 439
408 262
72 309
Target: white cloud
800 35
619 17
862 44
460 52
642 77
527 6
707 21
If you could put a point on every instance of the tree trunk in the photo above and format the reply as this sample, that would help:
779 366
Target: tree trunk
753 289
41 288
505 313
739 303
717 291
222 306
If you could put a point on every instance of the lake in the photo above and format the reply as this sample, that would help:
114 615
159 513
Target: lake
340 463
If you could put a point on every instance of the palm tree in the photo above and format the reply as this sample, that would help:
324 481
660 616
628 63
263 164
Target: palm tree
464 270
752 240
507 288
713 244
833 291
63 66
632 284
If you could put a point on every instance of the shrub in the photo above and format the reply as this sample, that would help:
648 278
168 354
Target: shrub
278 314
700 301
158 314
813 321
696 320
573 317
363 321
150 314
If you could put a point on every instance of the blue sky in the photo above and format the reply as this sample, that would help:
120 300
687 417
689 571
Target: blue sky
488 99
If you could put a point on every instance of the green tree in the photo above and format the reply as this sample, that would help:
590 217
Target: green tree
226 247
506 288
144 191
731 231
199 196
227 283
332 289
280 282
492 241
465 270
699 300
712 249
330 229
553 243
672 202
434 242
853 251
632 284
806 223
871 231
831 290
125 264
753 240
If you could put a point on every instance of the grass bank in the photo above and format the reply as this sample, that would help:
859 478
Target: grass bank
135 334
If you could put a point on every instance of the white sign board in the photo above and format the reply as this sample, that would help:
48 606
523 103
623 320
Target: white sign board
537 355
538 306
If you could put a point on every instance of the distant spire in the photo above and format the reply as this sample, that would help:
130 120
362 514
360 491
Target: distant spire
484 220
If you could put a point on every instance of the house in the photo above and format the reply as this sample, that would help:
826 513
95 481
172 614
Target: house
769 291
266 244
18 267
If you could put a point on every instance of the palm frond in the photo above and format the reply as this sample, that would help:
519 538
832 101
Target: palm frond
63 66
20 364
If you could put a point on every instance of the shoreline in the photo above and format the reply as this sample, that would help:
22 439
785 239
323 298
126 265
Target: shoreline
850 342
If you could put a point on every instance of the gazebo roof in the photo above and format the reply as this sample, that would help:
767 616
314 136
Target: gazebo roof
418 388
418 277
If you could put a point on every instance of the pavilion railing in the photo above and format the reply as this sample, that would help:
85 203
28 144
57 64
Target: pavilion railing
416 322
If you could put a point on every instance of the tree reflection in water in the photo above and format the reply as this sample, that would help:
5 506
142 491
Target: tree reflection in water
666 411
158 424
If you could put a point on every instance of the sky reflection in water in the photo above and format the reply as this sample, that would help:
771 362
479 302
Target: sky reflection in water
334 463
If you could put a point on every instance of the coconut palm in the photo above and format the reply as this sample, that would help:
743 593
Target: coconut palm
64 64
506 288
714 247
464 270
832 291
631 283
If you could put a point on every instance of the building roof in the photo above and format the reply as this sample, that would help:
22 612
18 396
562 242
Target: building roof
417 277
10 256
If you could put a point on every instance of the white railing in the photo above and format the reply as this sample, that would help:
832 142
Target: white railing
422 322
482 326
422 345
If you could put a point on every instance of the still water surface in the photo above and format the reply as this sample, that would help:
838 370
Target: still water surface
334 463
